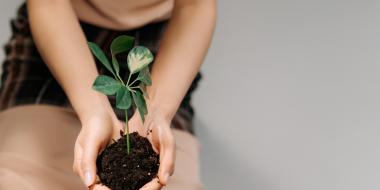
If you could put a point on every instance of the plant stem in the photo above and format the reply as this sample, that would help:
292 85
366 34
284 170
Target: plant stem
118 76
126 131
131 89
133 82
129 78
114 75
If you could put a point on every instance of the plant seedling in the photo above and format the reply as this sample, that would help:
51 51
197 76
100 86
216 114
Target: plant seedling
129 92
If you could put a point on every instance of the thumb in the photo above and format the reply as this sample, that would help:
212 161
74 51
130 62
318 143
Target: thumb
88 165
167 160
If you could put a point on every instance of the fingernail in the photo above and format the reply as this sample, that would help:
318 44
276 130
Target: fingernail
88 179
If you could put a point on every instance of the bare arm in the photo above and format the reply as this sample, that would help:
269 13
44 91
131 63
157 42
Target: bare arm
182 51
183 48
62 44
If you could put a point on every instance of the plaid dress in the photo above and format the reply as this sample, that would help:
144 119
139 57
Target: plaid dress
27 80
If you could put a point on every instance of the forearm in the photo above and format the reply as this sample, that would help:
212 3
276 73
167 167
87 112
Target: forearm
183 48
62 44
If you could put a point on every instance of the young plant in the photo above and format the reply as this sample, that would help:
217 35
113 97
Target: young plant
129 92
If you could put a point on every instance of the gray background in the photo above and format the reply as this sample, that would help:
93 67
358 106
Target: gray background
290 96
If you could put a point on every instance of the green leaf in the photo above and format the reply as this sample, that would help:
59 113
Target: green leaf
123 98
100 55
121 44
144 76
106 85
138 58
142 87
140 103
115 65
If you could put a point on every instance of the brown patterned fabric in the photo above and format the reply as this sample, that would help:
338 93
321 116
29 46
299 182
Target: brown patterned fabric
27 80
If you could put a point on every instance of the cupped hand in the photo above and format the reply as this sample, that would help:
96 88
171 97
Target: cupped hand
157 129
98 130
102 126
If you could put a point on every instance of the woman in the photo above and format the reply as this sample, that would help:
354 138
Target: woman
39 133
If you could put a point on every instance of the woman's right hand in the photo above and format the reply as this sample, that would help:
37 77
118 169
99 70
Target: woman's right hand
98 130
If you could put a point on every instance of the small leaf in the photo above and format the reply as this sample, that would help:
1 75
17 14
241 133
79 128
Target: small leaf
123 98
144 76
106 85
121 44
138 58
140 103
142 87
100 55
115 65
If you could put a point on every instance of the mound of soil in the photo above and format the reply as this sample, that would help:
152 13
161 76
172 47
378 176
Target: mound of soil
121 171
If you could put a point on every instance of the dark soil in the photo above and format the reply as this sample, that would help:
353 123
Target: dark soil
121 171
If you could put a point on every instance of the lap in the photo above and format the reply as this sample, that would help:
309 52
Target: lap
36 148
36 151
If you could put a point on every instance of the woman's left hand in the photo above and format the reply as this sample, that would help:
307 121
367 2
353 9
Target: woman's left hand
157 129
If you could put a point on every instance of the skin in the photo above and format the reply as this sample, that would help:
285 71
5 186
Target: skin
62 44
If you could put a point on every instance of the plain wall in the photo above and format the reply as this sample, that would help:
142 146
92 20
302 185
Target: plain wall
290 98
